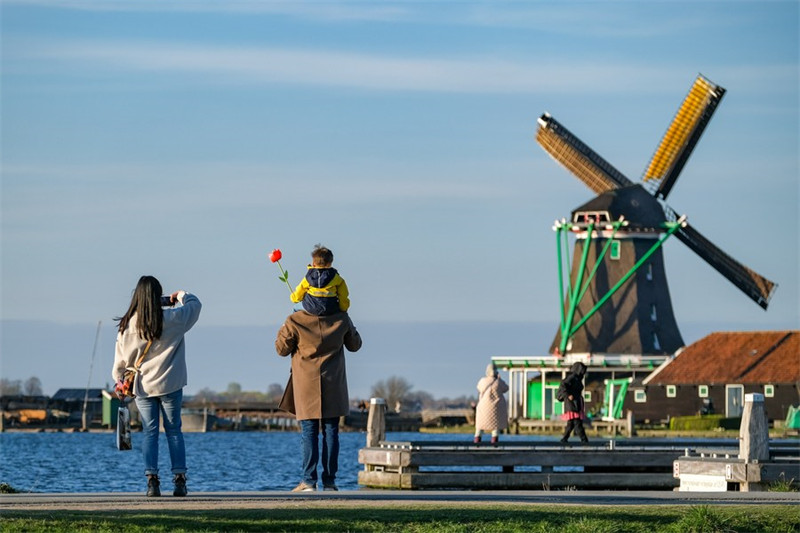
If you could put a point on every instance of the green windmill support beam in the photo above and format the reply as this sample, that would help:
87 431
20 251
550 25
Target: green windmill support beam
559 230
573 296
567 330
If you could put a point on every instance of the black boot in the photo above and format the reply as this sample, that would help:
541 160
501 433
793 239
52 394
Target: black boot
580 432
567 431
180 485
153 486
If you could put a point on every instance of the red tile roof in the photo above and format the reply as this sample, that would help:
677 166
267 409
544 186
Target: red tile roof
747 357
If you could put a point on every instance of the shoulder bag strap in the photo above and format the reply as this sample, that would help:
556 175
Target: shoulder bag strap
489 386
141 357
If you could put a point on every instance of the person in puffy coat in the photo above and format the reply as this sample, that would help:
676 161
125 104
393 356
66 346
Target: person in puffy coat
491 413
570 391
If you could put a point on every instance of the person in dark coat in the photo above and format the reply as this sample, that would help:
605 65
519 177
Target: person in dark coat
570 391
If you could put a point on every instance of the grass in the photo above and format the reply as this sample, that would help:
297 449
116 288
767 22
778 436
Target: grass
422 518
5 488
783 485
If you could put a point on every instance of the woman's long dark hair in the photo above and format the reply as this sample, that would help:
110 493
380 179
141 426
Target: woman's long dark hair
146 305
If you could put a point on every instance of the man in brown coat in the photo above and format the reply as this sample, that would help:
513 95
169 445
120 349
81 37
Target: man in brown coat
319 387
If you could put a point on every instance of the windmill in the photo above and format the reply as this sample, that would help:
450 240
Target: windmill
616 298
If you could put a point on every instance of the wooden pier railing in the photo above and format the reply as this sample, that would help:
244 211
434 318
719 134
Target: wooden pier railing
624 464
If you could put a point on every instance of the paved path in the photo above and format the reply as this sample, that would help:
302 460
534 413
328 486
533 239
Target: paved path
379 498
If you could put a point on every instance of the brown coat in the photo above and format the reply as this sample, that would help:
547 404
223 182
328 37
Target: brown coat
319 378
492 411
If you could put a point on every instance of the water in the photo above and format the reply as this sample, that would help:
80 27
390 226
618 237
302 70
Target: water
217 461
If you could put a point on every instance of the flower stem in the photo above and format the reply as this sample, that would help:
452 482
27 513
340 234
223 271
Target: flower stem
284 276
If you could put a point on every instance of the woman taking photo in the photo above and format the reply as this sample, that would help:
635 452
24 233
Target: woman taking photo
157 332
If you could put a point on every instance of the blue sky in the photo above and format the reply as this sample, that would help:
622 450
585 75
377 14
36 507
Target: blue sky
188 139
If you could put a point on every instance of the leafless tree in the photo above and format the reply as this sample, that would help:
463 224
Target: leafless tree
206 394
33 387
10 387
394 390
275 392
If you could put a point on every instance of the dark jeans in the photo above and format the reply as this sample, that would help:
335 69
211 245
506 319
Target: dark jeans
330 449
577 425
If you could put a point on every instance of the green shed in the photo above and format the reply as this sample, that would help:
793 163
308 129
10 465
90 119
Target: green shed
110 406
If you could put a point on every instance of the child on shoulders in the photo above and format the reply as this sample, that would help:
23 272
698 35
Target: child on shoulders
322 291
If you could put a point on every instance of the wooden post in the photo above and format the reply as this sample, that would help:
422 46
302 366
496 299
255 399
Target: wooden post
629 424
754 430
376 422
753 436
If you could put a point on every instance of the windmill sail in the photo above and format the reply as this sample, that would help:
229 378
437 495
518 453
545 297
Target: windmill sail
624 306
754 285
682 135
582 161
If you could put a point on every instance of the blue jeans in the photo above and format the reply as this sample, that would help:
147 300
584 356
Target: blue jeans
330 449
169 406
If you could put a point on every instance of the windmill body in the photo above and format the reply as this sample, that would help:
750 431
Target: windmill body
616 298
638 318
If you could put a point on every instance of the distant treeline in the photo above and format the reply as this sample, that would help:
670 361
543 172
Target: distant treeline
397 392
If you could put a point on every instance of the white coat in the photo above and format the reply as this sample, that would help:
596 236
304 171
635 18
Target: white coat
492 411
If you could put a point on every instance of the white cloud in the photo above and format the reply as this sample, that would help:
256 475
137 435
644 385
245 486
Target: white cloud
492 73
599 19
319 10
62 189
253 65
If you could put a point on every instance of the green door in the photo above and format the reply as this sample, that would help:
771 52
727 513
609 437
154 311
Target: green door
540 408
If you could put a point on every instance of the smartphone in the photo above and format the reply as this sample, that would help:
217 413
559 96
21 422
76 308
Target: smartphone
166 301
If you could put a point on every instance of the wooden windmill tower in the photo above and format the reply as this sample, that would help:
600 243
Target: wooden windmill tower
616 299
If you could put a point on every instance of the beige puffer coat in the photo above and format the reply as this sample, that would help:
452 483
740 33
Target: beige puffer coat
492 411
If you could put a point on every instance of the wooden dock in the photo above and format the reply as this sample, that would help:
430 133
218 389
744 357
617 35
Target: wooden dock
517 465
624 464
635 464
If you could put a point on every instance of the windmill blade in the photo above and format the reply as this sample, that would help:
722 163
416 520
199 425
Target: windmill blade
578 158
682 135
754 285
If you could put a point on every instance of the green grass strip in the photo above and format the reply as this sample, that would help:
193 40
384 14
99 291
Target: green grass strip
427 518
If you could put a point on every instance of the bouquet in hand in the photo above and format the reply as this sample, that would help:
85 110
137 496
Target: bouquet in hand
275 256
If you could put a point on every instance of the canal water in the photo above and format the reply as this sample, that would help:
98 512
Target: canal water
217 461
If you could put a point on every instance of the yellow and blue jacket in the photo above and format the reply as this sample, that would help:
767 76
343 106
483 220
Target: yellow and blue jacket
322 291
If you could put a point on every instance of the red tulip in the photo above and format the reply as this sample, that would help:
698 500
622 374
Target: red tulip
275 256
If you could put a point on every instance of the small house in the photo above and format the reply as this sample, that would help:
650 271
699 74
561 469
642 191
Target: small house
713 375
72 402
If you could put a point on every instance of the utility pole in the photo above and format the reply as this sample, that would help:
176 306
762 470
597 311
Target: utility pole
84 420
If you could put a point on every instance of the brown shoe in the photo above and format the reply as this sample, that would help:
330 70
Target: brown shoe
304 487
